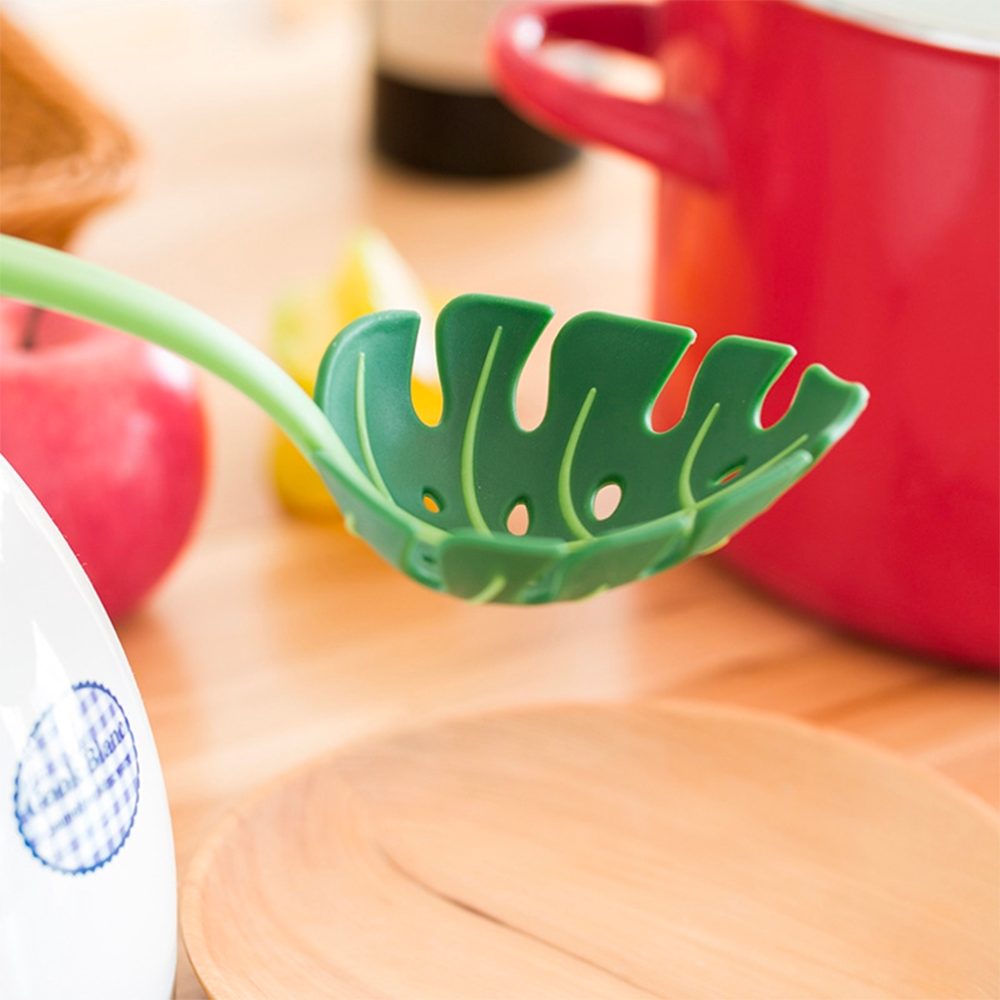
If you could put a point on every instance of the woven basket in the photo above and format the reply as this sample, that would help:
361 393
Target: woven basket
61 156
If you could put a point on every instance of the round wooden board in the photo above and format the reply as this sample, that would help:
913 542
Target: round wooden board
601 851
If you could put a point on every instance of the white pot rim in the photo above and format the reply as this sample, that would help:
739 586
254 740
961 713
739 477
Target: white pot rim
958 25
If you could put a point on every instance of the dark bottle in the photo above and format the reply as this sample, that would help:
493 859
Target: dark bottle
435 108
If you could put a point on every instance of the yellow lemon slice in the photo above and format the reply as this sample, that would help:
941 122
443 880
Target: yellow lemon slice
372 276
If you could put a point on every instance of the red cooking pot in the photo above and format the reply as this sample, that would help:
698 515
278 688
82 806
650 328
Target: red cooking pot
829 179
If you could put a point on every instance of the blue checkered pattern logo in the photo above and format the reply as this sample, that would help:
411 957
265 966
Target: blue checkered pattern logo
77 785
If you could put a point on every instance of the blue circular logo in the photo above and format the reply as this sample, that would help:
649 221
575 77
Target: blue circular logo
77 785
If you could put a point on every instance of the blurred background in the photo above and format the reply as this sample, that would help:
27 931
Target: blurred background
233 163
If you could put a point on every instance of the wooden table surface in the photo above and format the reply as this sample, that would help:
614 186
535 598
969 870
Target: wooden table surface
273 639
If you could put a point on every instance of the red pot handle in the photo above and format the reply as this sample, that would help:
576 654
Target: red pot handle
683 140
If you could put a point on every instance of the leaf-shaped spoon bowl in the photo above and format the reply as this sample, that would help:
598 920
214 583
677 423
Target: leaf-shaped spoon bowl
436 501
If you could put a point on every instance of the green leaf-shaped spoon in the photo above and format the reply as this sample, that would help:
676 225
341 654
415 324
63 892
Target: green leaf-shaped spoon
436 501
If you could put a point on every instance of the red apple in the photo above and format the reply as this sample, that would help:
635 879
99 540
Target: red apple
108 432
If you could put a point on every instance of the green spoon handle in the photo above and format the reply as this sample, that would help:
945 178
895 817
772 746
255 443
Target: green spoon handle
56 280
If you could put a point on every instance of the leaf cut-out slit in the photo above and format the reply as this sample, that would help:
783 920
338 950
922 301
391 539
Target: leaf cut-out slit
468 470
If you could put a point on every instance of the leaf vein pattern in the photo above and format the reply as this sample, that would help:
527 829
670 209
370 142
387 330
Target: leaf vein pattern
361 419
566 506
468 470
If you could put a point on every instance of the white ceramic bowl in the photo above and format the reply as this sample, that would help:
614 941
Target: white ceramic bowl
88 899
